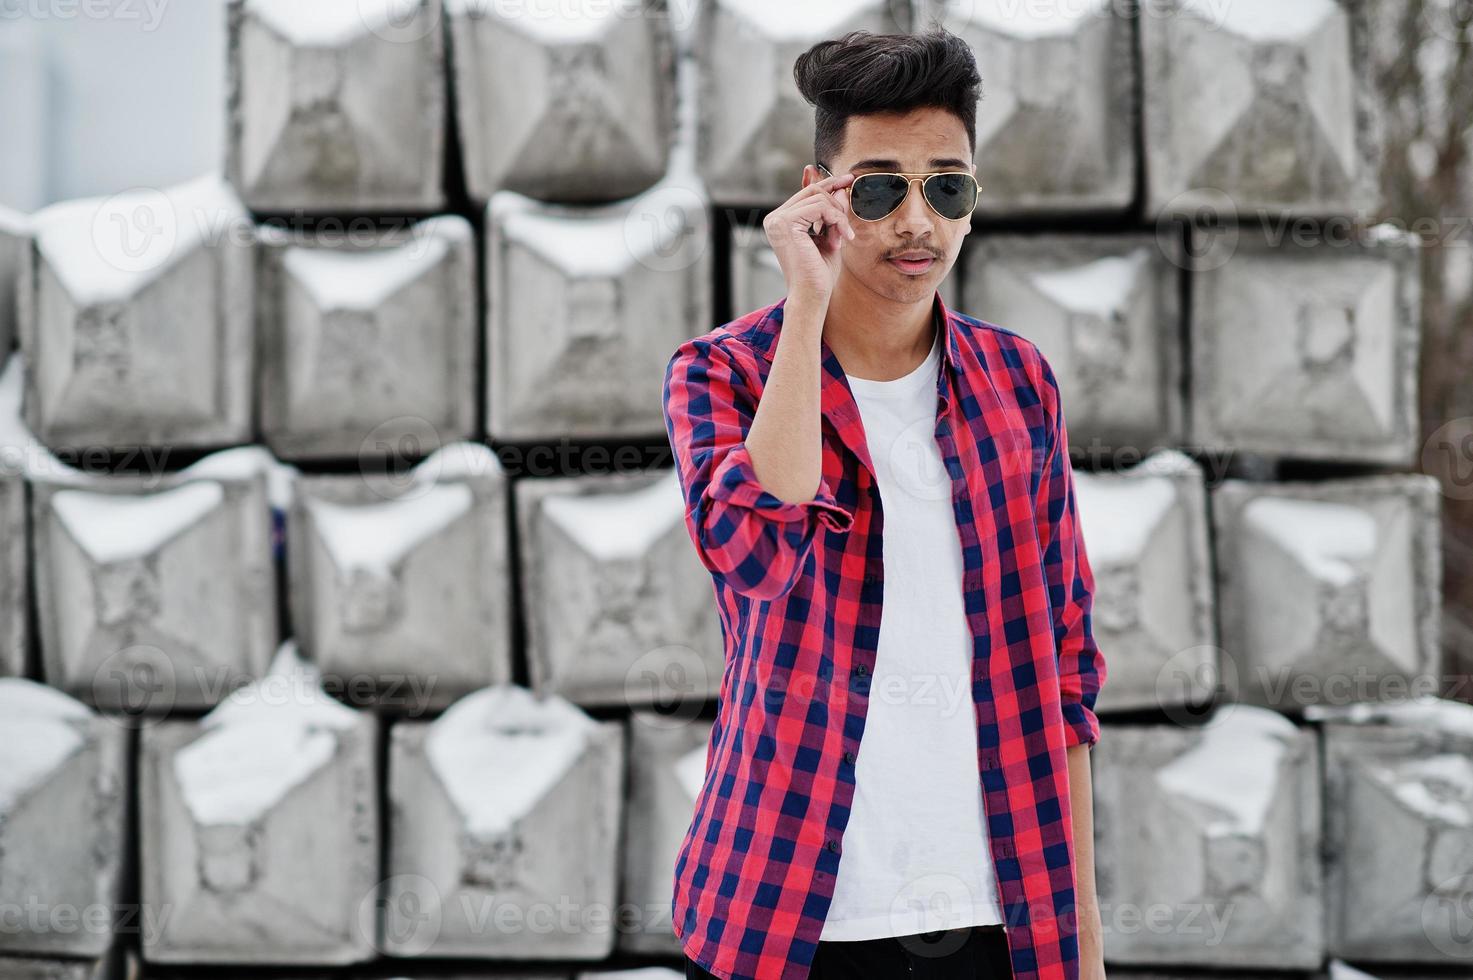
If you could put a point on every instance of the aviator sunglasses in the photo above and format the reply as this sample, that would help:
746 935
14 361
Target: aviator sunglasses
952 195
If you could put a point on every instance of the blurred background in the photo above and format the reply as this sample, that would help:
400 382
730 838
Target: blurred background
349 626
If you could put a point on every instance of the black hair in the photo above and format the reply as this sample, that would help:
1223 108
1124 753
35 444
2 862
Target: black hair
863 72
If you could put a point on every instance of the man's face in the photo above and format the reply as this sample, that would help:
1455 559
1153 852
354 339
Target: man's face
923 140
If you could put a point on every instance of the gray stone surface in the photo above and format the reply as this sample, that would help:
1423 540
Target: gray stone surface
1104 311
64 808
563 103
15 577
401 589
14 239
619 610
504 826
135 315
262 820
667 765
1207 843
156 592
1306 348
1146 535
585 305
756 131
367 346
1056 125
1270 105
336 106
1399 832
1328 591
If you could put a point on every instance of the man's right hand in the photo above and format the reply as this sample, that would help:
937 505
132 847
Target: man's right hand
810 263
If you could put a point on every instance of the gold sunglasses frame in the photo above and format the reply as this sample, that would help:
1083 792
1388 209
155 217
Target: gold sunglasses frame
910 179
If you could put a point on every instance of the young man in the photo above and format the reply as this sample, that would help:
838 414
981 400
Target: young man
881 490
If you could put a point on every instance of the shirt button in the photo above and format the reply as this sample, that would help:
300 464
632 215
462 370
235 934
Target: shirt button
832 845
870 578
861 670
849 758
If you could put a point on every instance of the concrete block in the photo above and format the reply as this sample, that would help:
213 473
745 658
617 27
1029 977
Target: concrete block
1307 350
135 315
667 765
619 610
15 574
1254 109
1207 843
567 103
367 345
15 238
1328 591
756 132
261 820
757 277
336 106
504 831
1104 311
585 305
1399 831
1056 131
63 823
34 968
1145 531
634 973
401 588
156 592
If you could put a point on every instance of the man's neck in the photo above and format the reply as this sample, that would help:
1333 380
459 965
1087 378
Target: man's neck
877 338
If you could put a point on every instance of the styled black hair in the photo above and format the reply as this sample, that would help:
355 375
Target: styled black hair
863 72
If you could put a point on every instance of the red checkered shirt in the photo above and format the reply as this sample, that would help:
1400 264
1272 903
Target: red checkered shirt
799 588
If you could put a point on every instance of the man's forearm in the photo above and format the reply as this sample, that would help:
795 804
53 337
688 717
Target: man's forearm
1081 805
785 440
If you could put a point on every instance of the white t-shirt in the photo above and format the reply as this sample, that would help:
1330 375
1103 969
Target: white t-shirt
916 856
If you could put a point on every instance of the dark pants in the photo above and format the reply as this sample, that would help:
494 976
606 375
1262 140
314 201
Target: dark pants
975 953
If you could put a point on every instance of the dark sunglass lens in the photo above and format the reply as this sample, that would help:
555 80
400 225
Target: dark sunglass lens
952 195
872 196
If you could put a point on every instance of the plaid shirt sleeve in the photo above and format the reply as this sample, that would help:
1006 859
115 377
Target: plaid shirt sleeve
751 540
1071 585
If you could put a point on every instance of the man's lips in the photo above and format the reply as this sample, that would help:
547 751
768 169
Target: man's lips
917 264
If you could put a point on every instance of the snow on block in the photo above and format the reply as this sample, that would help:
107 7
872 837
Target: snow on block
667 766
401 590
157 592
1259 106
261 819
1058 136
1328 591
757 131
15 237
135 316
1145 531
367 344
1399 808
1307 350
1105 314
584 306
619 609
336 106
592 118
757 277
633 973
1207 843
503 839
63 807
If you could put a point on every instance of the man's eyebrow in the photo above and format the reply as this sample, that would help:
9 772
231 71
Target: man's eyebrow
893 166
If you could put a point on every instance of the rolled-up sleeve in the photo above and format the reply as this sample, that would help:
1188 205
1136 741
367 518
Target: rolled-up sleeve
751 540
1071 586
